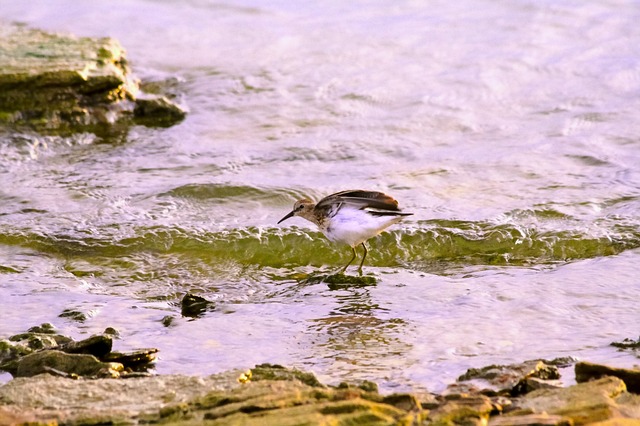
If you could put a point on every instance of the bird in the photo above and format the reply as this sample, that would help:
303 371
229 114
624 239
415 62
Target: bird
350 217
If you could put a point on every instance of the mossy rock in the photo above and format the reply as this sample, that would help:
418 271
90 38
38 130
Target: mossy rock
63 84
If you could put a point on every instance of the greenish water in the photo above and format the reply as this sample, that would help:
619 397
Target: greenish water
509 130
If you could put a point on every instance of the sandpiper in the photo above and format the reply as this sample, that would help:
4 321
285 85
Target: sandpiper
350 217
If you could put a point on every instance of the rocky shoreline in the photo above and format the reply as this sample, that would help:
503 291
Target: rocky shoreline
61 381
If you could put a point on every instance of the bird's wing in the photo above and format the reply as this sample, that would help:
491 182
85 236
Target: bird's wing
360 199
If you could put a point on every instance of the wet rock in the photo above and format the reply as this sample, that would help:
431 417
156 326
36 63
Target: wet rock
72 364
157 112
139 360
19 345
52 82
278 372
195 306
341 281
15 359
168 320
99 346
628 345
45 328
73 315
586 371
511 379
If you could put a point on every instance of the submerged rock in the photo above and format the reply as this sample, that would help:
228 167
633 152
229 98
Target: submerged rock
52 82
194 306
628 344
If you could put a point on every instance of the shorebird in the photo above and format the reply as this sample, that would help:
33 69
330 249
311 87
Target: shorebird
350 217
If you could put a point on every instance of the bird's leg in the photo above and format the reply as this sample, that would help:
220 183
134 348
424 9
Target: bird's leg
342 271
363 257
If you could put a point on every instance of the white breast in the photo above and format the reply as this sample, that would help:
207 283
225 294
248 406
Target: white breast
353 226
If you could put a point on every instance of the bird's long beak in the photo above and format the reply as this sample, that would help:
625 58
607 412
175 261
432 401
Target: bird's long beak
286 217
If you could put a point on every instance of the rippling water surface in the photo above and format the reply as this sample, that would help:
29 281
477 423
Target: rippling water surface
510 130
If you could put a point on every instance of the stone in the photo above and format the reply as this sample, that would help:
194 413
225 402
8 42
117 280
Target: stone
531 420
627 344
464 409
73 315
62 84
99 346
278 372
511 379
45 328
586 371
195 306
157 111
72 364
582 403
105 401
403 401
138 361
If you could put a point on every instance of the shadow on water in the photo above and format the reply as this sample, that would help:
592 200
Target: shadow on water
357 331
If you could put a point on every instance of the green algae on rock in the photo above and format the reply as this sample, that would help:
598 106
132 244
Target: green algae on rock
41 350
52 82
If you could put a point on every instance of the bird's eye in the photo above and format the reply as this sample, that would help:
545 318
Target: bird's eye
300 207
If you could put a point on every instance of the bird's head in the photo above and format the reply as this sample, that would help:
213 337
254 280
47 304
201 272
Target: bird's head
302 208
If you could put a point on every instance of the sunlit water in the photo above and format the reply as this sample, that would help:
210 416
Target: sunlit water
510 130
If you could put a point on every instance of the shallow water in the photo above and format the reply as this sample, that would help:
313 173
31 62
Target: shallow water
510 130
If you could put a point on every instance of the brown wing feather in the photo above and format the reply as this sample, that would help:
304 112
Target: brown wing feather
364 199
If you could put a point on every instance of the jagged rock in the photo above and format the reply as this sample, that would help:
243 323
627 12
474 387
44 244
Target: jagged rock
157 111
53 82
71 364
280 396
139 360
19 345
294 403
586 371
105 401
13 356
583 403
278 372
627 344
195 306
98 346
511 379
44 328
73 315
